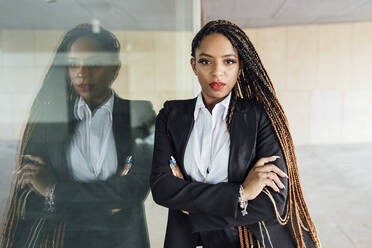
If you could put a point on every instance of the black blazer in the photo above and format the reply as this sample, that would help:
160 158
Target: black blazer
86 208
215 207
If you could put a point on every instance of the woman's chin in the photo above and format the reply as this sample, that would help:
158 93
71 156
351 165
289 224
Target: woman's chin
85 95
216 94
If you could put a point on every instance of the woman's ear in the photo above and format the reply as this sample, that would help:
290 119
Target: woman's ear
193 65
116 70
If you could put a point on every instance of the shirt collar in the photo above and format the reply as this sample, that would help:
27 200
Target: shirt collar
200 105
81 108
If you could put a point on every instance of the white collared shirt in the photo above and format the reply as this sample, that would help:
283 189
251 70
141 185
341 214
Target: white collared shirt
207 151
92 151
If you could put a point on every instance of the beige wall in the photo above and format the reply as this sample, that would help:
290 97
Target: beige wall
323 78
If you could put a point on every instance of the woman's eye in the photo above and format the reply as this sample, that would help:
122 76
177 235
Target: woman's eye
230 61
204 61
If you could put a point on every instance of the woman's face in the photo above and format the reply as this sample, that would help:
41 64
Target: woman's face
89 72
216 64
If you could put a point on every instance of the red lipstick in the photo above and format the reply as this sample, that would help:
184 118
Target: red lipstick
217 85
85 87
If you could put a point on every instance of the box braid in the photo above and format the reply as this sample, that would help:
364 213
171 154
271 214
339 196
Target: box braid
255 84
54 101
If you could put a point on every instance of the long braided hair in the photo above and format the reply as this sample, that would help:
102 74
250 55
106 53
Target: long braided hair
254 83
52 105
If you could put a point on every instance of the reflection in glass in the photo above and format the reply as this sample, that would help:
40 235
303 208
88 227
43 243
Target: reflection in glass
80 137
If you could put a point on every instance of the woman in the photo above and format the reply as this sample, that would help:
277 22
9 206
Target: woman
77 185
234 150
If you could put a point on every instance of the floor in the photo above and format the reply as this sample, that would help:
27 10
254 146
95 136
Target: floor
336 183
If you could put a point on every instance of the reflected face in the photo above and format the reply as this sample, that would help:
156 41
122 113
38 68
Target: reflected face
89 75
216 64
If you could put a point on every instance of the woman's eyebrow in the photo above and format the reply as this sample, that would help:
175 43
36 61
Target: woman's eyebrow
226 55
229 55
206 55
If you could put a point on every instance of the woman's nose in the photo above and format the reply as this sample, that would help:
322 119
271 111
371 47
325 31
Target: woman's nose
82 71
218 70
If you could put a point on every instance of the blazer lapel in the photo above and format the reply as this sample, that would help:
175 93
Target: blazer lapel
122 130
57 148
242 141
181 126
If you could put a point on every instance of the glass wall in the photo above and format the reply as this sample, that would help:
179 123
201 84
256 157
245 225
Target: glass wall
155 40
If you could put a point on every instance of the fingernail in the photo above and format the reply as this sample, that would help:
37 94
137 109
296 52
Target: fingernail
170 161
283 187
276 157
173 159
286 175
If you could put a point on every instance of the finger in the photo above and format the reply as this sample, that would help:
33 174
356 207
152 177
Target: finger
266 168
125 170
20 178
279 171
36 159
19 173
28 160
175 165
28 174
173 170
176 170
274 177
30 166
272 185
185 212
272 168
27 177
265 160
179 174
27 171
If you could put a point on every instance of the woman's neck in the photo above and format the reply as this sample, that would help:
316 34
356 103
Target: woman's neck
210 102
93 103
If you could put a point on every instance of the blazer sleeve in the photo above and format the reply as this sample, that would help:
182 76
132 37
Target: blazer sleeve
260 208
118 192
174 193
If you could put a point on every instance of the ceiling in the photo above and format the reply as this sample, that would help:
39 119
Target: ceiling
263 13
114 14
177 14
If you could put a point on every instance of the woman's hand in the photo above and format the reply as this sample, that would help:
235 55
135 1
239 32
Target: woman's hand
261 175
177 173
176 170
37 174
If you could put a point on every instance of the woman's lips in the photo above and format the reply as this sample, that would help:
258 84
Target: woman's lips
85 87
217 85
